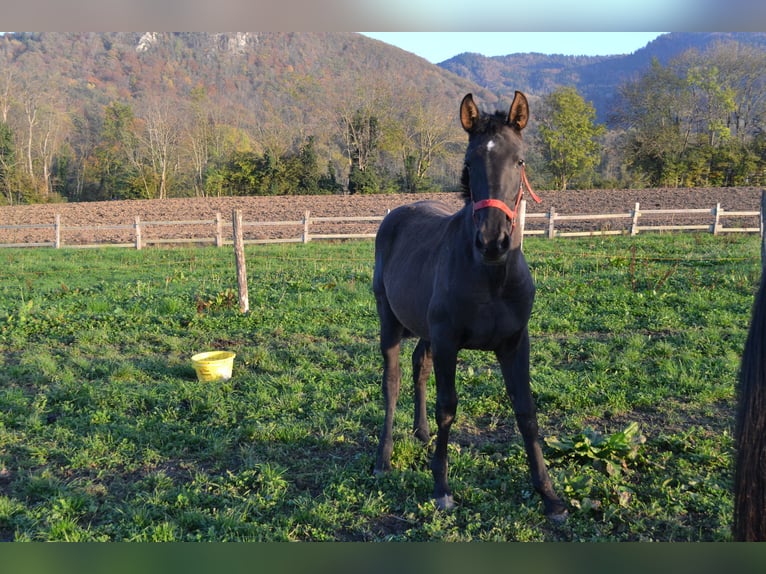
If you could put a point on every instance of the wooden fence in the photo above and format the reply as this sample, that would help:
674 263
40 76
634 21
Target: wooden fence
550 224
632 225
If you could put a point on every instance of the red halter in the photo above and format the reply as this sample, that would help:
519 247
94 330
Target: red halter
502 206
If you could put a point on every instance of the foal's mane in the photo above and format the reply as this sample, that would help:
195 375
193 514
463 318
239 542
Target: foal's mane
486 125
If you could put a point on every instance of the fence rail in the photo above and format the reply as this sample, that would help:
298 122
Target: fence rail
550 224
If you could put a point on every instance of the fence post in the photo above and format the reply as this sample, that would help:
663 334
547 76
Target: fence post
239 258
306 238
521 218
634 223
551 218
137 226
218 230
57 229
716 218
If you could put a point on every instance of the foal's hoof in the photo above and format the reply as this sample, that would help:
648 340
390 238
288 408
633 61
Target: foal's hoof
422 435
557 512
445 502
558 517
380 469
378 472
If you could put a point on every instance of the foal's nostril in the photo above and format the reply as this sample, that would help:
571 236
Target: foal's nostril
493 249
479 241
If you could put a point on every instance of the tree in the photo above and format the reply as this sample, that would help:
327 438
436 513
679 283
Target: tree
6 90
363 181
198 137
160 141
309 175
569 136
117 157
366 121
328 183
362 131
419 137
713 103
653 110
693 123
53 123
7 164
83 181
44 123
205 143
739 71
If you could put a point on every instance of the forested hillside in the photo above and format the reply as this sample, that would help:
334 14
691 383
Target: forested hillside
117 115
94 116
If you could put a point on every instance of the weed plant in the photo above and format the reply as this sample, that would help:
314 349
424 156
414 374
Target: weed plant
107 435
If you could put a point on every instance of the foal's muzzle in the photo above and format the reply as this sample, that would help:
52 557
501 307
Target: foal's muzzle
495 249
493 233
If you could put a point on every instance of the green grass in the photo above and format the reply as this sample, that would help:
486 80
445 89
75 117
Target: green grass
105 433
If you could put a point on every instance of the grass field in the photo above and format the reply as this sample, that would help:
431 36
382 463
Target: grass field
105 433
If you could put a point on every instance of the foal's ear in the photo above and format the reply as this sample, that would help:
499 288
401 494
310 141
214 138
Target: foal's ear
519 114
469 113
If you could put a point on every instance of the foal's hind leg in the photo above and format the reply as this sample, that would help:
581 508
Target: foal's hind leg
514 363
422 365
391 333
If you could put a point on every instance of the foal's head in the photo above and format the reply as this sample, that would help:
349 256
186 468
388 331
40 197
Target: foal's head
492 173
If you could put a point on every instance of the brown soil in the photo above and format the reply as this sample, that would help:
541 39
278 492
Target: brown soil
292 208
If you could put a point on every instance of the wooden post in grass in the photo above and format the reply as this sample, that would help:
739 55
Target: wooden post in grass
239 257
57 227
305 238
218 230
634 222
716 218
551 223
137 226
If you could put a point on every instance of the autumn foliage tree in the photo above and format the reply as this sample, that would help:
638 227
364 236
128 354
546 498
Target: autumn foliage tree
697 121
568 136
8 188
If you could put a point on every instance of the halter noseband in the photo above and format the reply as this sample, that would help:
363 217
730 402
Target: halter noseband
502 206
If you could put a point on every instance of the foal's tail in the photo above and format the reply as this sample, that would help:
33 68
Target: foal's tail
750 471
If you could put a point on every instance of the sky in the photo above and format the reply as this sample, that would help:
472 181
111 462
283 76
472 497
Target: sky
620 16
439 46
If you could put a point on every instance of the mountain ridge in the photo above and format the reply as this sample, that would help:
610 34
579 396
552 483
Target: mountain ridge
595 77
242 65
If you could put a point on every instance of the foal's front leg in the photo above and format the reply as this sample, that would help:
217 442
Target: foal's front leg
422 365
444 361
514 363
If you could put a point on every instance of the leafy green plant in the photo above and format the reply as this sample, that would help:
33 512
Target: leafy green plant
612 453
226 299
594 480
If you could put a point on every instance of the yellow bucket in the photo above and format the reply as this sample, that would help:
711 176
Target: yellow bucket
213 365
